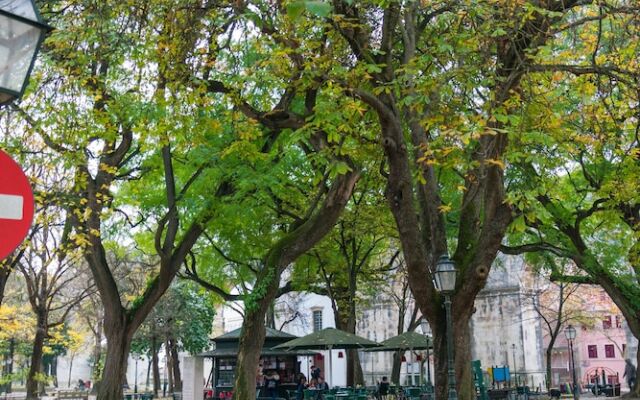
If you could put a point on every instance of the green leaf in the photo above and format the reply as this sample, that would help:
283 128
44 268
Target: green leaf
295 9
319 8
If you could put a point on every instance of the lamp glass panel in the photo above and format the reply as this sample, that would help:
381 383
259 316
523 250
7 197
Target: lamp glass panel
18 44
570 332
426 328
447 280
23 8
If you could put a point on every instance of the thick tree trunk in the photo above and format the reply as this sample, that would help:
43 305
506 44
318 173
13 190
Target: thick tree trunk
355 368
345 320
395 368
36 357
115 365
249 355
462 357
175 364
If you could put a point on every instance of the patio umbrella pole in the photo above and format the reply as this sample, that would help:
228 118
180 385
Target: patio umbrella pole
330 365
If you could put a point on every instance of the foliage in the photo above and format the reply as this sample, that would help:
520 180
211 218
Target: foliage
185 313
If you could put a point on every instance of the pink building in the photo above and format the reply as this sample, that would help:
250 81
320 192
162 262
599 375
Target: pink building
600 344
602 350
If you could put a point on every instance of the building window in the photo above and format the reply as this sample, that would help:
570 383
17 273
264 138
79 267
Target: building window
609 351
593 351
606 322
624 350
317 320
618 322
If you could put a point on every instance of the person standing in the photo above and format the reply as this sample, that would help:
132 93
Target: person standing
630 373
383 388
271 381
315 372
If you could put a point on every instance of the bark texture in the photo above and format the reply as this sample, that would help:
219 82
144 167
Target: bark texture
35 367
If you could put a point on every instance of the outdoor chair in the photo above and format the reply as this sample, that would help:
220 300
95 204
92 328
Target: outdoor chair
412 393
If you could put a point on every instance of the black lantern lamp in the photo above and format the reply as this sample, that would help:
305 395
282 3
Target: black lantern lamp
22 31
445 275
570 334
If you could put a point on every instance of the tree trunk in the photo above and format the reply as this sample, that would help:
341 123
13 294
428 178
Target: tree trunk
70 369
146 382
462 357
36 357
96 372
155 365
548 376
54 371
168 364
355 366
5 271
345 320
635 391
175 363
249 354
115 364
395 368
8 367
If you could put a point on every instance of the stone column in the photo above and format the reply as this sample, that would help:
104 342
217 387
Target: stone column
193 378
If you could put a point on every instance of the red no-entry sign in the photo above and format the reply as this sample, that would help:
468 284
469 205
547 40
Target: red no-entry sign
16 205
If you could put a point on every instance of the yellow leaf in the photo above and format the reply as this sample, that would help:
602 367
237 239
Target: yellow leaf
492 161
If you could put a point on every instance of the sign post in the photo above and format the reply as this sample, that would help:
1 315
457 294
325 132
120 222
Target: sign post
16 205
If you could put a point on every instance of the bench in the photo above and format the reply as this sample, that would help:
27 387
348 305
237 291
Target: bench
14 396
554 393
498 394
72 395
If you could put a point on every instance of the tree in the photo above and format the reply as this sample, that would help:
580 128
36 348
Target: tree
349 265
102 138
16 334
578 201
182 319
54 286
557 305
400 294
444 82
117 140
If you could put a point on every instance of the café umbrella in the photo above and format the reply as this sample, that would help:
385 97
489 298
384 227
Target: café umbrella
328 339
408 341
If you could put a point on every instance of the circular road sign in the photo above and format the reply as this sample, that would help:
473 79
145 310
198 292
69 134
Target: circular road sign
16 205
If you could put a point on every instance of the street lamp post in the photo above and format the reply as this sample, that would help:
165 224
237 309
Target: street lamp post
570 334
445 283
426 330
22 31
